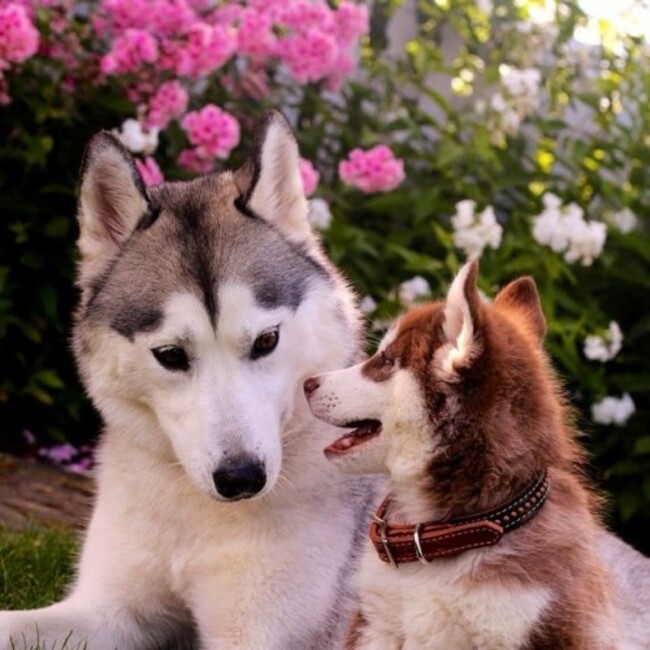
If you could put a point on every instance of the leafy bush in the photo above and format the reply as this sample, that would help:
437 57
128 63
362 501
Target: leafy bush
519 144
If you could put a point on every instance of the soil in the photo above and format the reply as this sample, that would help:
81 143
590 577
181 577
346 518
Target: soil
33 493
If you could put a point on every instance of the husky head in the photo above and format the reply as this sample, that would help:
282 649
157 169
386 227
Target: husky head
204 306
457 396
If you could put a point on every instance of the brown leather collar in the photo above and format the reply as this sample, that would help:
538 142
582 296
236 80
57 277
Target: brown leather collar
397 543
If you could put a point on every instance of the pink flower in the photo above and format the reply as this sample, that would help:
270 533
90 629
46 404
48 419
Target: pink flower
169 102
255 36
60 454
351 21
309 176
192 161
129 52
18 37
310 56
207 49
149 170
214 132
162 17
375 170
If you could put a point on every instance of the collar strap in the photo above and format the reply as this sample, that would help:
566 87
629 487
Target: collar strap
397 543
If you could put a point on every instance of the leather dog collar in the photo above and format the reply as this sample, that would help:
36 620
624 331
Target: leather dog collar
397 543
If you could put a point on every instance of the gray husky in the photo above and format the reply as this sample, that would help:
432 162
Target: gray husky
205 305
218 521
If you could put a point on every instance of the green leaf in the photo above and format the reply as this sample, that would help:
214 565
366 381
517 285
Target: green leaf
48 378
642 445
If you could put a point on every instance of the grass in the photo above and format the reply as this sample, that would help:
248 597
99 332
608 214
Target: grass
35 566
35 569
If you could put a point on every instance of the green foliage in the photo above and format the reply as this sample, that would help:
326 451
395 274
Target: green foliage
586 141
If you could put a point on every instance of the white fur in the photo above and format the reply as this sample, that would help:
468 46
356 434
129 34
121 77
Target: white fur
425 607
458 326
278 195
258 574
103 230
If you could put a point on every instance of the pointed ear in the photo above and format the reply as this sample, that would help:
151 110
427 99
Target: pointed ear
521 295
463 321
112 199
270 183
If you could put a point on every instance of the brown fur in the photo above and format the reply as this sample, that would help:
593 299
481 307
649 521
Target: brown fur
355 630
501 421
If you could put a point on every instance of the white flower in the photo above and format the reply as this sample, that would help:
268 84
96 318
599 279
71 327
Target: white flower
464 213
613 410
472 232
497 103
485 6
522 87
625 220
517 98
587 243
604 348
367 305
319 214
136 139
564 230
551 200
411 290
511 121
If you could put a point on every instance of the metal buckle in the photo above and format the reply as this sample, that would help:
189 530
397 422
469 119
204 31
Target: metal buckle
418 546
384 540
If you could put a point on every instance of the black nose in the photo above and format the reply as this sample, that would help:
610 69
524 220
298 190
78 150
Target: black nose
311 385
240 478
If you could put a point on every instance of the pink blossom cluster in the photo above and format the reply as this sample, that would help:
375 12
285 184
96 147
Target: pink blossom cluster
18 41
317 41
130 52
214 134
206 49
375 170
309 176
168 103
194 38
149 170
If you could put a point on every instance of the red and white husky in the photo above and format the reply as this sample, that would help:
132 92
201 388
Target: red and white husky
489 540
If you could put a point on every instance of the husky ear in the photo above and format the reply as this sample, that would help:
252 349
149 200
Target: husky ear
270 183
463 321
521 295
112 199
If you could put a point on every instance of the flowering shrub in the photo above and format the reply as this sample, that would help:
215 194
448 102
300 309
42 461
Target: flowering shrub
18 41
490 132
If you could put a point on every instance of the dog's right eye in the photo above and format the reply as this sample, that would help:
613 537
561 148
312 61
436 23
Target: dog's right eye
171 357
387 361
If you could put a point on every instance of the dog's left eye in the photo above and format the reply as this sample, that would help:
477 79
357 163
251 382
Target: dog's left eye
265 343
387 361
171 357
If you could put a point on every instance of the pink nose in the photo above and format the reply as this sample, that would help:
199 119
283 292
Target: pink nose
311 385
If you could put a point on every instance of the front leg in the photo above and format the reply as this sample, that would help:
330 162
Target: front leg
68 624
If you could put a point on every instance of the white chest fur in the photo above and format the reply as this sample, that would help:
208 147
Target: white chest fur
440 606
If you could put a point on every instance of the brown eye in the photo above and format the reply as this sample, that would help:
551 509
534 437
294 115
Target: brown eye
265 343
172 357
386 361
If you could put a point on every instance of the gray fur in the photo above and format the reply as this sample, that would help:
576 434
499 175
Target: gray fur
196 240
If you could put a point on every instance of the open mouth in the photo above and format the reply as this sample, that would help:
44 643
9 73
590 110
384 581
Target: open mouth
362 431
